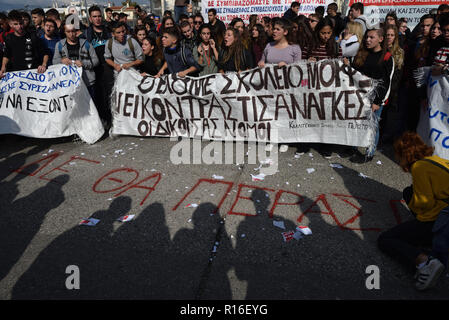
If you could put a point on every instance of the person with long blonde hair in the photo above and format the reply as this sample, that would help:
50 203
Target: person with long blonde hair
392 37
392 118
351 39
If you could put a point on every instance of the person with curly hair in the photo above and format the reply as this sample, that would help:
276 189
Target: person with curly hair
428 201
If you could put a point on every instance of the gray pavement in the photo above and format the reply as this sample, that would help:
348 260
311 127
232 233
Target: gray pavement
225 248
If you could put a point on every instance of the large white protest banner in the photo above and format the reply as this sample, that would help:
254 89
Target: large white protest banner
376 10
48 105
230 9
323 101
433 124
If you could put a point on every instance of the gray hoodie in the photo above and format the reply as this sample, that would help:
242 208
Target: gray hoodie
88 58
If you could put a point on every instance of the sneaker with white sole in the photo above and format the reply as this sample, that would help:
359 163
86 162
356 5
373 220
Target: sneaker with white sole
428 275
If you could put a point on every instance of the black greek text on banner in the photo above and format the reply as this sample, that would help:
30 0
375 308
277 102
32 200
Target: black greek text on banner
323 101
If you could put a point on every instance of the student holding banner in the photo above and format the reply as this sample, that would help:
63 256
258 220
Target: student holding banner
283 50
23 50
375 61
178 59
206 53
50 38
234 57
79 52
122 51
153 57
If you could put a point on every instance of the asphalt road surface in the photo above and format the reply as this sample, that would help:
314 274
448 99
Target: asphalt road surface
199 231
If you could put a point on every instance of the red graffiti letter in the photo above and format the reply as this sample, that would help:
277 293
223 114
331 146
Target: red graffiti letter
94 188
157 176
230 184
50 157
64 163
277 203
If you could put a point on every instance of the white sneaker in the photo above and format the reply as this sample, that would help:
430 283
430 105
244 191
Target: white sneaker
427 276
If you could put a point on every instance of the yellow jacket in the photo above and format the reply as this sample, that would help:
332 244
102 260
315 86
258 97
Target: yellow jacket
430 188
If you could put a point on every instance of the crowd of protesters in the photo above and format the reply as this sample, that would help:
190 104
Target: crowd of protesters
187 45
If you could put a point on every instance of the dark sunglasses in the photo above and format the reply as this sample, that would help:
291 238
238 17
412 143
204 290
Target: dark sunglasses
198 22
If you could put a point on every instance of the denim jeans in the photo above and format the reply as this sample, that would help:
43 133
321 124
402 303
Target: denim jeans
403 241
372 150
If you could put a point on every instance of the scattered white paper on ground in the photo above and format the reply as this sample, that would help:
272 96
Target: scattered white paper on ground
258 177
126 218
363 176
118 151
217 177
283 148
50 150
243 235
336 165
289 164
310 170
82 153
192 205
311 154
89 222
379 162
305 230
279 224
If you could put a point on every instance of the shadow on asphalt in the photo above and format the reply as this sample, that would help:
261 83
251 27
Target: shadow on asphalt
141 260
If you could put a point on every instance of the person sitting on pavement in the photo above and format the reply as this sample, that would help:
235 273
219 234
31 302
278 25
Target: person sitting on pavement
122 51
428 201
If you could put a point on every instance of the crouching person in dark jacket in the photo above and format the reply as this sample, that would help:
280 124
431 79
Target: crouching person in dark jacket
178 59
79 52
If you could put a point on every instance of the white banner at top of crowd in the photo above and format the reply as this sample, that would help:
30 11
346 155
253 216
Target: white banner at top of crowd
230 9
376 10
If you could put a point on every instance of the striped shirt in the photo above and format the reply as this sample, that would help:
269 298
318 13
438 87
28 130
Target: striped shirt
442 56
